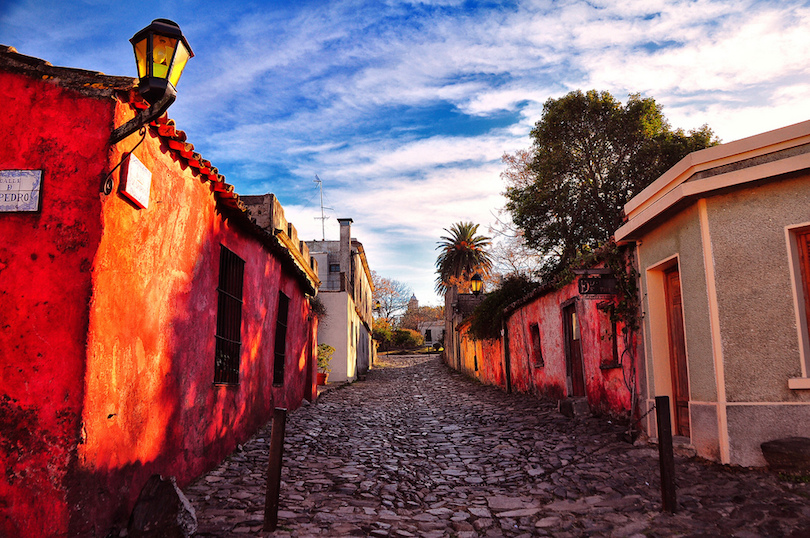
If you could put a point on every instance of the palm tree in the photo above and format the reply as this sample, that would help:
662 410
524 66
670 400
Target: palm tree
462 254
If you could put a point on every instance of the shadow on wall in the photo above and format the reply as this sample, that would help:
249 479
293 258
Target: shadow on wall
151 404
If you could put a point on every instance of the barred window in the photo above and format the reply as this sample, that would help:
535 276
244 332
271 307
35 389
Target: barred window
281 339
229 317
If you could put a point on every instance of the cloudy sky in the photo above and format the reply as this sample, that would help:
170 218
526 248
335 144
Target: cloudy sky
404 109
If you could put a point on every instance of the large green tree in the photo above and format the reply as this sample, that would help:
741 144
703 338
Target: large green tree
590 155
462 254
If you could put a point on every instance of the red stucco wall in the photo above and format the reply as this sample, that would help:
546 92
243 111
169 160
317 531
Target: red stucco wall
607 382
45 285
109 316
604 386
482 358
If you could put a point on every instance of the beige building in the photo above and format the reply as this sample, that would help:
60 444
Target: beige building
346 291
723 249
432 331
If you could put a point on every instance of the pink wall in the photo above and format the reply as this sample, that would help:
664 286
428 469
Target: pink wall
108 372
604 384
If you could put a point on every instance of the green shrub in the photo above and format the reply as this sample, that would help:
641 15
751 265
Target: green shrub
488 315
324 357
408 338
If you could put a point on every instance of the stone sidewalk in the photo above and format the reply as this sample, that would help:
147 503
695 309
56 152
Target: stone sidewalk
420 450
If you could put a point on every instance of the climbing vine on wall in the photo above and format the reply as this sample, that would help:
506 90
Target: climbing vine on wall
620 260
488 316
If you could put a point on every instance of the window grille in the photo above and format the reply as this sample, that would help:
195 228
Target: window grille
281 339
229 317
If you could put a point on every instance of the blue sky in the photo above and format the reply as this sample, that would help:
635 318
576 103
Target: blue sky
404 109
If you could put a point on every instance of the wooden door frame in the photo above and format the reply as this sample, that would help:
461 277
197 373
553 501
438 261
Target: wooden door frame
569 366
679 372
659 360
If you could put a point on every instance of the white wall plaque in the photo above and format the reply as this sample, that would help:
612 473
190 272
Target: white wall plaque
137 180
19 190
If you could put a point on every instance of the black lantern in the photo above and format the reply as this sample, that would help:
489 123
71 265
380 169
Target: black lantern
161 53
477 284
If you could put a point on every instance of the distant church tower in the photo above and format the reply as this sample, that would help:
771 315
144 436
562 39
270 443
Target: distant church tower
413 304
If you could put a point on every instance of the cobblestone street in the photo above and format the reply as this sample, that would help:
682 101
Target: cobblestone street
419 450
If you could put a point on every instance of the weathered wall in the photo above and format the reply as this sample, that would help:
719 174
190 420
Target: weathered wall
45 286
109 316
481 359
605 387
151 344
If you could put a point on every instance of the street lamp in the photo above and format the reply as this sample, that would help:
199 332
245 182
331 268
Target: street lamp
477 284
161 53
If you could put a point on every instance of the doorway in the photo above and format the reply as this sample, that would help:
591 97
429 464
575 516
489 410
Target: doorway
677 351
573 352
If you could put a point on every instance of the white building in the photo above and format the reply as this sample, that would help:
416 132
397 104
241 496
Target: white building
346 294
432 331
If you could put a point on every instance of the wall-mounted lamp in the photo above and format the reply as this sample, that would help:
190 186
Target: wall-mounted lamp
377 305
477 284
161 53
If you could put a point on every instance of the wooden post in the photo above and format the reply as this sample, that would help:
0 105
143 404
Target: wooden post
274 469
666 458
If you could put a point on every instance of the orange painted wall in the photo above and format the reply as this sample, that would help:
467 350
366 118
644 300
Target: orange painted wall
482 358
109 316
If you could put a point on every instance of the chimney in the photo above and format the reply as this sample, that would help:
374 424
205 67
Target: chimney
345 254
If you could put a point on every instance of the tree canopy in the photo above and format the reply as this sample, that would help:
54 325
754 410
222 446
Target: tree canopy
463 253
413 317
590 155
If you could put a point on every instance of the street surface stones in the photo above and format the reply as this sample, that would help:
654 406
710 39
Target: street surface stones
417 449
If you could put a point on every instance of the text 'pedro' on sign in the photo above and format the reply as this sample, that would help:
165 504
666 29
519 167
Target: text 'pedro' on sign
137 180
19 190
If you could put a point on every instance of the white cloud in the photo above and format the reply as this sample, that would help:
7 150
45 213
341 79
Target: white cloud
281 90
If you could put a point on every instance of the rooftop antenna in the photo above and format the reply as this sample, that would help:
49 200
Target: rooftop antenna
322 217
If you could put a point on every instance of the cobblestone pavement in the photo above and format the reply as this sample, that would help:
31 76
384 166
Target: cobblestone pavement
419 450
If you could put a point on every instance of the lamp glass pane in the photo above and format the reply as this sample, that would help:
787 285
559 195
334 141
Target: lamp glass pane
162 52
140 56
179 63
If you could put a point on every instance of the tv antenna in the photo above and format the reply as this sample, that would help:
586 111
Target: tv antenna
323 217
